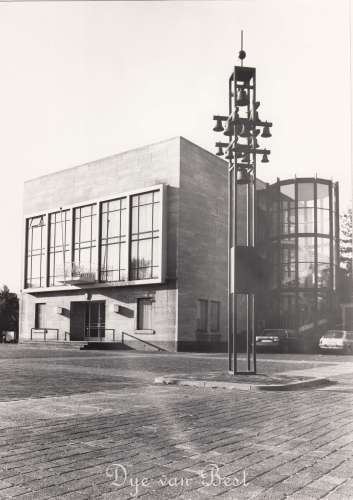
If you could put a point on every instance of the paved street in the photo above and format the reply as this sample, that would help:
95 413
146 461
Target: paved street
78 424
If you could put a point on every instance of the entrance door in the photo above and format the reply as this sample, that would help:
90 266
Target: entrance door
77 320
95 320
87 320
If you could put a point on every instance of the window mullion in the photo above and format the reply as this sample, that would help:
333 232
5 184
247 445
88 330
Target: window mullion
128 235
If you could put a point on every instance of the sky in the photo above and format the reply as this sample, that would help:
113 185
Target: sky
85 80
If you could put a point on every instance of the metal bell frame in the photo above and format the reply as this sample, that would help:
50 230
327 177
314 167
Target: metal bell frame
241 171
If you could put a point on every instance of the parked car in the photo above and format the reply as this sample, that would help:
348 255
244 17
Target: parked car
279 339
337 340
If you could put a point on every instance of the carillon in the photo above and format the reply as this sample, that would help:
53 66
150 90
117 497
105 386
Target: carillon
242 127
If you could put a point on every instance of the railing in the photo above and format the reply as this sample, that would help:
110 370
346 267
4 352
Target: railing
100 330
123 334
77 273
45 331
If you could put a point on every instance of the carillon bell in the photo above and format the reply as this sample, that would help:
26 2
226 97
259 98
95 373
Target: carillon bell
265 158
220 151
219 126
266 131
229 129
242 175
255 132
243 131
242 98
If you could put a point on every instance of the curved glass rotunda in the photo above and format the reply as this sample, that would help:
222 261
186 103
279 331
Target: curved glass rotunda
298 237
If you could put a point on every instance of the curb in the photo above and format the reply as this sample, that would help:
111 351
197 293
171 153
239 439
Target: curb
290 386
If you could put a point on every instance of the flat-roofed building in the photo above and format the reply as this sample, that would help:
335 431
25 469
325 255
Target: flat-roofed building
132 243
133 247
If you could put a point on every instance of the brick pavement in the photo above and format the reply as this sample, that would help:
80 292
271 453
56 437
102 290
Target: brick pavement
66 420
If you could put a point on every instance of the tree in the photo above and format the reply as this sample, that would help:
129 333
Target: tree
8 310
345 278
346 254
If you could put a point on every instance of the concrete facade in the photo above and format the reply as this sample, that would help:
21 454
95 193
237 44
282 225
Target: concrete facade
194 251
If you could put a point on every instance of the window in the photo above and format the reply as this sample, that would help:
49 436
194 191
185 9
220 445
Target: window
306 249
323 206
40 320
323 221
306 262
111 241
202 315
323 250
288 275
305 194
214 315
145 236
144 314
35 258
306 274
59 247
323 200
323 258
287 212
113 258
305 220
85 223
287 253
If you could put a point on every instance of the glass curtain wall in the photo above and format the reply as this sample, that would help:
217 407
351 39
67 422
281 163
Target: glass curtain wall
302 249
126 245
35 252
85 239
145 236
59 247
113 254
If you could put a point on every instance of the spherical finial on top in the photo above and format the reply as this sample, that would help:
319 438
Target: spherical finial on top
242 54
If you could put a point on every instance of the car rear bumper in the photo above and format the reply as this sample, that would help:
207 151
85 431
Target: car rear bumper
267 345
331 348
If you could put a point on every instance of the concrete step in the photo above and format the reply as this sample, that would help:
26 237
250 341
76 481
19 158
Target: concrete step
107 346
53 343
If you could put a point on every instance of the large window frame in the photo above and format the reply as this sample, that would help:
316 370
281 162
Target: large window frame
97 247
36 251
84 251
59 246
145 234
113 240
310 274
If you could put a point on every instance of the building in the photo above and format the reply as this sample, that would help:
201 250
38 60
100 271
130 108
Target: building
133 243
300 240
137 243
